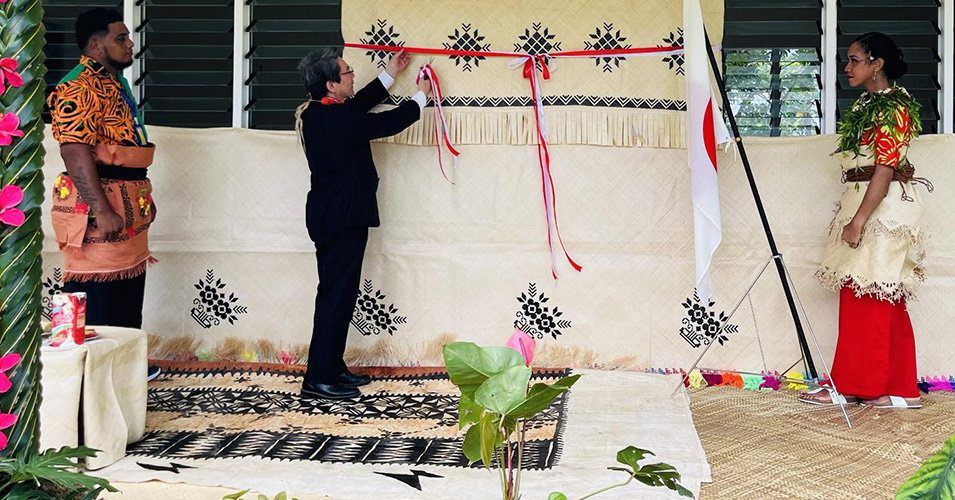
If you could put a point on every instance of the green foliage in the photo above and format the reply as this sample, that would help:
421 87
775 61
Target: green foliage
935 479
22 38
494 395
495 405
658 474
878 109
239 494
50 475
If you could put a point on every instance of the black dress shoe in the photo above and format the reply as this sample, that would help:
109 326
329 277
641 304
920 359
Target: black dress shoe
349 379
329 391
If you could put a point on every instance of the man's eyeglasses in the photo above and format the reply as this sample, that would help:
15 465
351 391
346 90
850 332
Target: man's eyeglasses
349 72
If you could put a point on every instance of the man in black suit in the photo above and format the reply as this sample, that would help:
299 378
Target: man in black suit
335 128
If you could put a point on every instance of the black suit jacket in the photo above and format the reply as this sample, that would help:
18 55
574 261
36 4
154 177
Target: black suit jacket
343 175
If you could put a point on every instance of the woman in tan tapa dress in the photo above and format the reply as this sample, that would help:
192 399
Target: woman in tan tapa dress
874 252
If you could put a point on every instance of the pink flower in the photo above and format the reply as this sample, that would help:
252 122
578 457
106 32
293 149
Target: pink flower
7 362
522 343
8 72
9 123
11 196
6 421
287 358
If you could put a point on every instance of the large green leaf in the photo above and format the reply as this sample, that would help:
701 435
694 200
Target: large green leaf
469 364
540 397
57 466
935 479
469 412
27 491
21 37
472 444
490 436
236 495
631 455
503 392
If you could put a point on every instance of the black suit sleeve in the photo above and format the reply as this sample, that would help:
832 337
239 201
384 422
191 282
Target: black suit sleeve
369 96
388 123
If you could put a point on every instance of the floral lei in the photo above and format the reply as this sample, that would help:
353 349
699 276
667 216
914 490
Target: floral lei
877 109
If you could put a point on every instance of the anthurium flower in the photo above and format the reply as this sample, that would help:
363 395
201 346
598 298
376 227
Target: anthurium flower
11 196
6 421
8 73
7 362
9 125
522 343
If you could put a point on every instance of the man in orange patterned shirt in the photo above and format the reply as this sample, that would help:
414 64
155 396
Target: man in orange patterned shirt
103 202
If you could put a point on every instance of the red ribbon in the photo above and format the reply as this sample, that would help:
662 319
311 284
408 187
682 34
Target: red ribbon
530 72
440 122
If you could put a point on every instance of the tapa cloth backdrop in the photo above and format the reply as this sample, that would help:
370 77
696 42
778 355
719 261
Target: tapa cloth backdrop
236 275
599 101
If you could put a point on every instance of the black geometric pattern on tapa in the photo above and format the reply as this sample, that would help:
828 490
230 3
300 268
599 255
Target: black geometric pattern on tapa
536 319
214 444
701 323
607 40
467 41
381 34
213 305
52 286
413 479
191 401
295 443
537 42
554 100
372 316
676 60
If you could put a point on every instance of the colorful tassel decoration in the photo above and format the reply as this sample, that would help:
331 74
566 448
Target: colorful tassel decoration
770 383
796 386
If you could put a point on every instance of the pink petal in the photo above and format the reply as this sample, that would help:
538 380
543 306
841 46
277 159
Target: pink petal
12 217
8 63
7 420
10 360
10 196
5 383
522 343
3 439
9 122
3 87
14 78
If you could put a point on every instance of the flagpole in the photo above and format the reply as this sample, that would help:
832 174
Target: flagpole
803 345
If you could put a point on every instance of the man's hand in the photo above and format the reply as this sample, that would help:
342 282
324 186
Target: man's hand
424 85
110 223
398 63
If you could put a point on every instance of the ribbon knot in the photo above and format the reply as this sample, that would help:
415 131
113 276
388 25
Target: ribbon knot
533 60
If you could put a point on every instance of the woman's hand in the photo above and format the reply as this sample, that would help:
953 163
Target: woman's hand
852 233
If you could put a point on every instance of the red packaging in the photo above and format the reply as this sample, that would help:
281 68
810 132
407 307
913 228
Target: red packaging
65 315
80 316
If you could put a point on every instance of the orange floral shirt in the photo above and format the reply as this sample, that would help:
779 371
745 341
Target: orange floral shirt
88 106
888 144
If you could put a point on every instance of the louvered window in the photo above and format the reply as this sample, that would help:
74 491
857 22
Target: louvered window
772 63
62 54
186 58
913 25
282 32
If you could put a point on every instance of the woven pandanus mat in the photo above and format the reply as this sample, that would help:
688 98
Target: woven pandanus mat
769 445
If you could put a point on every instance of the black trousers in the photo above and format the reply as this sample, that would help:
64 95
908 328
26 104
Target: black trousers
112 303
339 278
